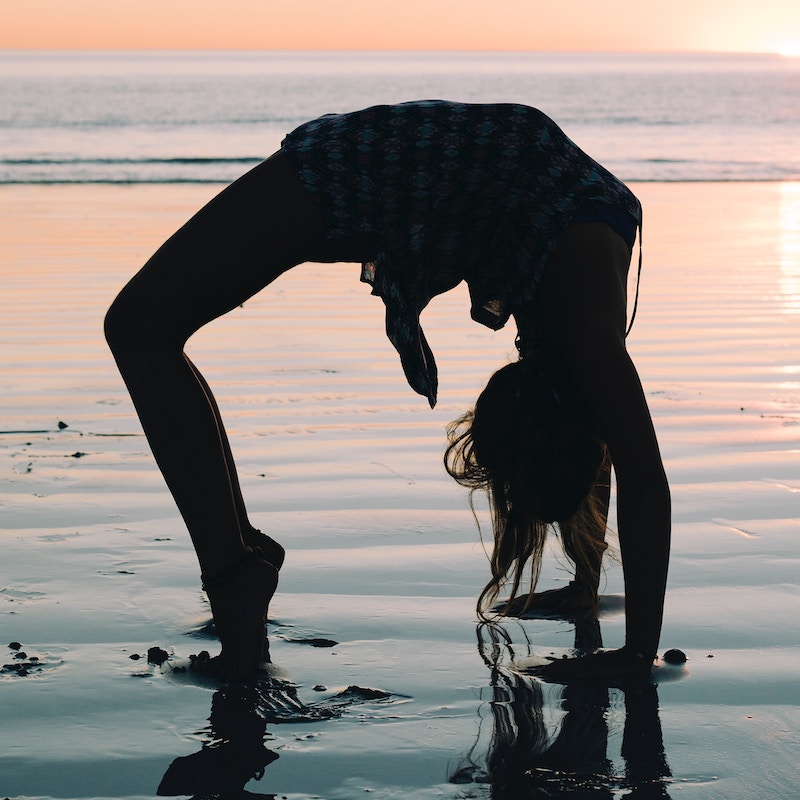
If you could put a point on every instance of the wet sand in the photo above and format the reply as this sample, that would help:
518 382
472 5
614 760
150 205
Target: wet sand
381 680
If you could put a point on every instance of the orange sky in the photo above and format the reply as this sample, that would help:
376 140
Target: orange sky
614 25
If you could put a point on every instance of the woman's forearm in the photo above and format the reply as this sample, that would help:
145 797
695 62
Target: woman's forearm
643 514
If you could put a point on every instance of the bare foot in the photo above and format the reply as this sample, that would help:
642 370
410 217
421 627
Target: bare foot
270 549
570 599
239 605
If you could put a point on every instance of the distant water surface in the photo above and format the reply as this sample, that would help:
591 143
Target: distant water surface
150 117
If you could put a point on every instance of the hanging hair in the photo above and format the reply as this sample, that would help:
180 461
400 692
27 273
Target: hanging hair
532 445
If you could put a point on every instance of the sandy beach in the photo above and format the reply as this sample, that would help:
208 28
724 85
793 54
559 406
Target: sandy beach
382 683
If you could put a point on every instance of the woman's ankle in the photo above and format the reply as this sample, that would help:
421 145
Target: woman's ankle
271 550
218 575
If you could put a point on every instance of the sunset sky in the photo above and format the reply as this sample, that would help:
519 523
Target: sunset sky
613 25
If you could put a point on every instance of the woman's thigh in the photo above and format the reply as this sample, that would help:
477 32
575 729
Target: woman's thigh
254 230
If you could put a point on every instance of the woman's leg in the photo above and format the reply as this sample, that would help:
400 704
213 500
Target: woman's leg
271 550
587 556
253 231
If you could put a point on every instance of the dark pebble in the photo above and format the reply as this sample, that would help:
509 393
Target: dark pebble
20 669
134 657
201 657
62 425
21 655
155 655
675 656
14 645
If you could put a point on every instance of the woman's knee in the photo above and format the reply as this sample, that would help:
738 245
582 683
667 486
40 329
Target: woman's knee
133 326
122 330
117 325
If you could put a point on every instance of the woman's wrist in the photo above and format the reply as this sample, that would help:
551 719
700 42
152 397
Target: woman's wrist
639 655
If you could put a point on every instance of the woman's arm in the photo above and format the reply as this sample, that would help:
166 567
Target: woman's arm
643 499
583 304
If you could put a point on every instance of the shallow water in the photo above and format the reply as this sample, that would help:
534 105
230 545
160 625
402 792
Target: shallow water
342 462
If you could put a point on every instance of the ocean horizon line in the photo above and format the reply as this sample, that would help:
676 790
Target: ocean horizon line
374 51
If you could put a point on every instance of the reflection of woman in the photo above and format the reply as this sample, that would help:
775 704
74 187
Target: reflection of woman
425 195
522 761
232 754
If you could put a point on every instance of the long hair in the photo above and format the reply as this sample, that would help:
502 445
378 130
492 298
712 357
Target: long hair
532 445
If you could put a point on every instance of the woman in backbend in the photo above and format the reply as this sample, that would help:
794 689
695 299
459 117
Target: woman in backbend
425 195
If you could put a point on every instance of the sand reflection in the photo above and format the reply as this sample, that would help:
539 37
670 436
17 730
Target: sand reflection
523 759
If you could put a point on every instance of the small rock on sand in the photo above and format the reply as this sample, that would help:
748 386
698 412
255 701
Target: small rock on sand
155 655
675 656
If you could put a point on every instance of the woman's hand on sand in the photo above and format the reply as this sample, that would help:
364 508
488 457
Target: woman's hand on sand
603 665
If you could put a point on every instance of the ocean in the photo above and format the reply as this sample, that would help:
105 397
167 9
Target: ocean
206 117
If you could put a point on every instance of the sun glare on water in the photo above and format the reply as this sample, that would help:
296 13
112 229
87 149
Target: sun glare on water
790 51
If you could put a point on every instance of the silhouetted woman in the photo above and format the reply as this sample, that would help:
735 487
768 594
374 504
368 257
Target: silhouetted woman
425 195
